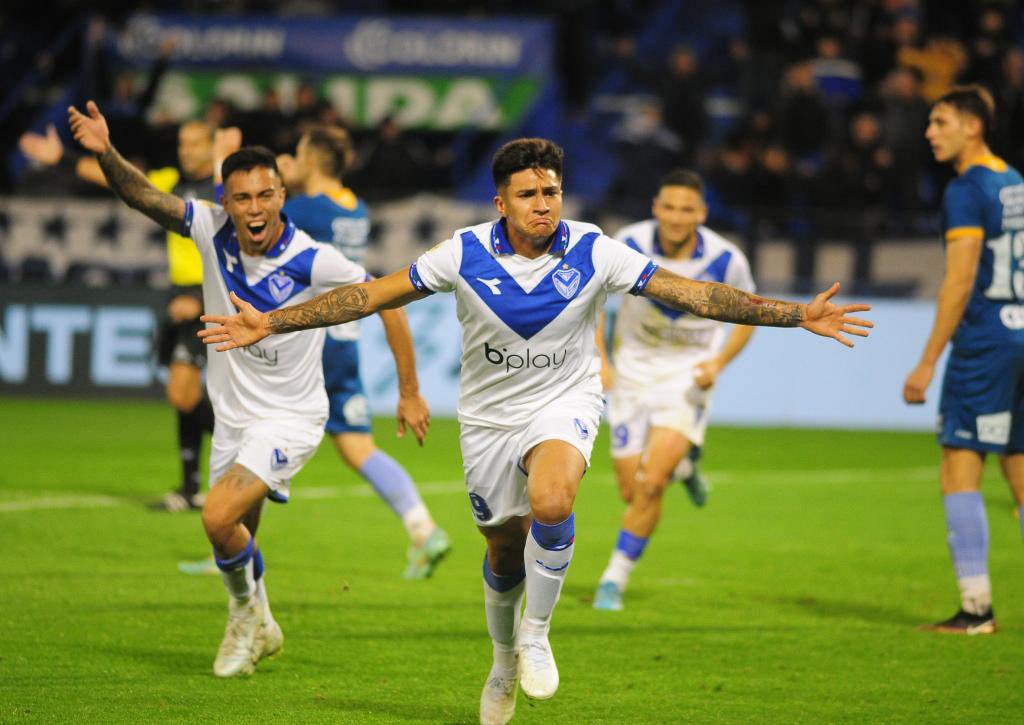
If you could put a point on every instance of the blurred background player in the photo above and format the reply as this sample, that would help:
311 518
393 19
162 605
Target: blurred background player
530 396
665 366
270 401
323 207
177 348
979 308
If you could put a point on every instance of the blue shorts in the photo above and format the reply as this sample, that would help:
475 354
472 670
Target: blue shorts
349 408
982 405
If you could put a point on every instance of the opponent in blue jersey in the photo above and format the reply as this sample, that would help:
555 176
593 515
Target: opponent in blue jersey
979 308
324 208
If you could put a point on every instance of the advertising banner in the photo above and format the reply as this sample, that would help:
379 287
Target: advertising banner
377 44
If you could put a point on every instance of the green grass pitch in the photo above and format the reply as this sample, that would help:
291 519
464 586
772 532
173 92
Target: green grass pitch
793 597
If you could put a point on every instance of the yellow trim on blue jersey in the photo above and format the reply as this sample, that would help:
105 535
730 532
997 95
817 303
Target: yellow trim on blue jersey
956 233
344 197
989 161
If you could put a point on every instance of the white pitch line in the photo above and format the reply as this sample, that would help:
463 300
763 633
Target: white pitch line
820 476
61 502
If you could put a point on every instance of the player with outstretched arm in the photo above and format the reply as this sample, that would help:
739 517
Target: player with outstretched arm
268 399
529 288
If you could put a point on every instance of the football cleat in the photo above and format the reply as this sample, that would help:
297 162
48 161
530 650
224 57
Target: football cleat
538 673
965 623
423 559
498 700
176 502
269 639
237 654
608 597
198 567
696 487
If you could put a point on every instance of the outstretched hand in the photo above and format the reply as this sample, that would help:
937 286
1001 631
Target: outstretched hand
231 331
46 150
90 130
830 320
413 411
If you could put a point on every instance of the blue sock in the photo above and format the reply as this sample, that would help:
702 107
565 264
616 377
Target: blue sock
391 482
237 572
968 533
631 545
503 598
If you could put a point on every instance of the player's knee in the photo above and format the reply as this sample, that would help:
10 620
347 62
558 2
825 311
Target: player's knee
552 506
651 487
184 398
219 526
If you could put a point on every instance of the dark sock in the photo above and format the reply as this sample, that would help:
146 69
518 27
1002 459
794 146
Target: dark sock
190 437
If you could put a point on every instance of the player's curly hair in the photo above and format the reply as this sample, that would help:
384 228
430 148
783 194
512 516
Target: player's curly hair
526 153
248 158
973 99
333 147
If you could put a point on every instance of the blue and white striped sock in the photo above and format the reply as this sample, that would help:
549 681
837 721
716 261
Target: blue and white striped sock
238 573
967 527
503 600
547 555
628 549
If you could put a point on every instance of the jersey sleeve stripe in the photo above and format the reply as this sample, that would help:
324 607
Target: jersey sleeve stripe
964 232
186 223
643 279
414 277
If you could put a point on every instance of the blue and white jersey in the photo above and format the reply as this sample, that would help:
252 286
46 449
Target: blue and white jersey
340 219
987 199
281 377
528 324
652 342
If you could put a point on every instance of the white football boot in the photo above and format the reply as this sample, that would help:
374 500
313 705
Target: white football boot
498 700
237 654
538 674
270 638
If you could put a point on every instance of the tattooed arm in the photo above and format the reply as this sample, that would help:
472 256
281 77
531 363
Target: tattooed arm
342 304
124 179
729 304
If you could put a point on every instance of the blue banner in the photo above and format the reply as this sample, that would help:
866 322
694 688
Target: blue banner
377 44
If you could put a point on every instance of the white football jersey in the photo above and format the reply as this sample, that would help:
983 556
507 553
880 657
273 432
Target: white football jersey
653 342
528 324
281 377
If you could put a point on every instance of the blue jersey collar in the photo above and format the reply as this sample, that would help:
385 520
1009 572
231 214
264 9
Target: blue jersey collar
286 237
500 244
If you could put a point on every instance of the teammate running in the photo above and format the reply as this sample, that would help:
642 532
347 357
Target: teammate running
666 363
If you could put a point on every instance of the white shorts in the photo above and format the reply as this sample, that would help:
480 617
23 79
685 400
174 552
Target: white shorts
273 450
492 459
632 412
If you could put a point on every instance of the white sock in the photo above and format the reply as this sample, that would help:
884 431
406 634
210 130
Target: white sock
618 570
545 572
683 470
975 593
261 593
503 610
418 524
239 582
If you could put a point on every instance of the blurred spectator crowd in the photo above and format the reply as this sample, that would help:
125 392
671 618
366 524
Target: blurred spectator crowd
805 116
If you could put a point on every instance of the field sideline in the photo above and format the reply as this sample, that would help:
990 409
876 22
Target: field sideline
793 597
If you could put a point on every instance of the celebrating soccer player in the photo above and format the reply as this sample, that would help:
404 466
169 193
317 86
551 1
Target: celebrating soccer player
979 308
529 288
269 399
665 366
323 207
